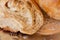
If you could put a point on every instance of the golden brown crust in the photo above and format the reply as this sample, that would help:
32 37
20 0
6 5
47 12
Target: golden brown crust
50 27
52 7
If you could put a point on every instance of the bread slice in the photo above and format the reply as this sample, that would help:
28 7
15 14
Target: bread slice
19 15
51 7
50 27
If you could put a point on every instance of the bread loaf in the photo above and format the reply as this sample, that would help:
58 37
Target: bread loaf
51 7
50 27
20 15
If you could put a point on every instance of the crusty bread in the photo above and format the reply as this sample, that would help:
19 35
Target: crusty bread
50 27
20 15
51 7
